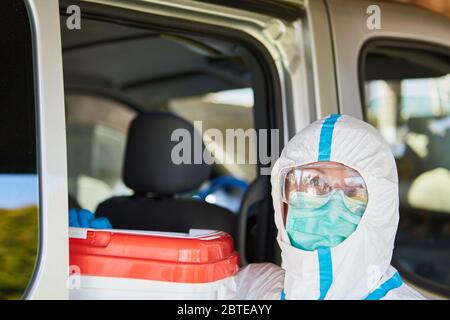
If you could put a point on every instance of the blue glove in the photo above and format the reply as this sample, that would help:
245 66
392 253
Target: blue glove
82 218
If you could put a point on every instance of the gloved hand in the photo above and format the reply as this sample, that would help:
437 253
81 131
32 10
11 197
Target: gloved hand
83 218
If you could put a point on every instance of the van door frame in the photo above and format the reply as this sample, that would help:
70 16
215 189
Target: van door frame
350 38
50 276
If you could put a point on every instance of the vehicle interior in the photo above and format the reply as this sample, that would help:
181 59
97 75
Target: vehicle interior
127 88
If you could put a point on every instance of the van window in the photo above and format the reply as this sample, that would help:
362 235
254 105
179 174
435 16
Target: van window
19 187
407 98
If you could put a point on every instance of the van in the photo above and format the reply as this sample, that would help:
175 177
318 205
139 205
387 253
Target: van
92 90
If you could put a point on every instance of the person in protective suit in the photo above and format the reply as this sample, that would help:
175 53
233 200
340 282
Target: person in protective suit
335 197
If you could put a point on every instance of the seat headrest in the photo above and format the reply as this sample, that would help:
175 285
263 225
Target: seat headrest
148 166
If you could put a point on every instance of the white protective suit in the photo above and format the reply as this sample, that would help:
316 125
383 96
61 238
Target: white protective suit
360 266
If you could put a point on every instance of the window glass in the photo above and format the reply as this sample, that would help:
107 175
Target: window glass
96 130
19 186
227 111
407 97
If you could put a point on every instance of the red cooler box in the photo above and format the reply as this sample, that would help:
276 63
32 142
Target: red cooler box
125 264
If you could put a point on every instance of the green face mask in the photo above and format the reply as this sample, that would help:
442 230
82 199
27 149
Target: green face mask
315 221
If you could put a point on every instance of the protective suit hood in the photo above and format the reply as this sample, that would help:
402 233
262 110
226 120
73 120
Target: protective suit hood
360 265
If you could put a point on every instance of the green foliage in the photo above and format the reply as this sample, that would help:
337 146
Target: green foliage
18 250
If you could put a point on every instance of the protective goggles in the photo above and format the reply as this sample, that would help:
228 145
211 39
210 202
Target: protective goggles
322 178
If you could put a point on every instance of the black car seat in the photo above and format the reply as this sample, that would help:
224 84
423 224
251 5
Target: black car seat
150 171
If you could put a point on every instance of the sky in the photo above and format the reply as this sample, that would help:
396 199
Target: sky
18 190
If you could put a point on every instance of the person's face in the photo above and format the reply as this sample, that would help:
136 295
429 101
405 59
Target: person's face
321 178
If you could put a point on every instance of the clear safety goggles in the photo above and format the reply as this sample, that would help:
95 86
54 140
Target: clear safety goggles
321 178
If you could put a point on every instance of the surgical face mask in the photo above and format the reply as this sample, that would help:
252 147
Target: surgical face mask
315 221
